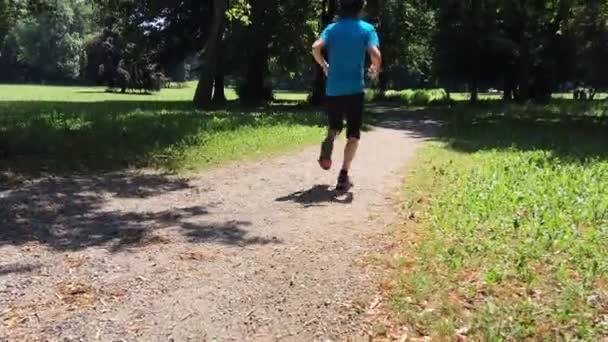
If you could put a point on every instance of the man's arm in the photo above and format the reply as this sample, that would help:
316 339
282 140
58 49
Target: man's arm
376 57
317 53
373 48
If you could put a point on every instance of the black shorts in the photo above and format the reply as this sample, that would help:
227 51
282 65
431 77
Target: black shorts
349 106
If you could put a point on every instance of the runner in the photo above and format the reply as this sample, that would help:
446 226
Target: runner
346 41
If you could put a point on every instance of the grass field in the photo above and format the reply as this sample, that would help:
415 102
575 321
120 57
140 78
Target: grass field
94 94
506 233
54 129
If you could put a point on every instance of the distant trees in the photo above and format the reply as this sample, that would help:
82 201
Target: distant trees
45 44
117 64
529 49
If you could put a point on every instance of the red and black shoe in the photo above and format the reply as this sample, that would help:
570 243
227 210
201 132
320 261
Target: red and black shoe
327 148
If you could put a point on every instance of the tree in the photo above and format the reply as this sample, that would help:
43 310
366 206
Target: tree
406 29
6 19
49 42
328 13
254 87
587 29
204 90
469 43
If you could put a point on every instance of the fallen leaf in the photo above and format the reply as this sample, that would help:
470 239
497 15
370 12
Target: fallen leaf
197 256
76 293
74 261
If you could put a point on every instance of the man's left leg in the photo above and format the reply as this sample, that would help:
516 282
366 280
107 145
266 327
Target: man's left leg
354 117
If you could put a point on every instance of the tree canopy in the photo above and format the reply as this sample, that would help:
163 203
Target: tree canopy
529 49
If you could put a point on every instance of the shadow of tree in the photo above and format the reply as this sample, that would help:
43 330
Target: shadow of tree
70 214
318 195
571 131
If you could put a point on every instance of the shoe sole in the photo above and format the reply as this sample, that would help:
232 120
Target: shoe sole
345 187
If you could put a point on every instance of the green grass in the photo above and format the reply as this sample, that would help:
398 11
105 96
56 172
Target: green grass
95 94
507 226
66 129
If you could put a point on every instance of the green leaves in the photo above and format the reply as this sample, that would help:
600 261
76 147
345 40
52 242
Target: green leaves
239 10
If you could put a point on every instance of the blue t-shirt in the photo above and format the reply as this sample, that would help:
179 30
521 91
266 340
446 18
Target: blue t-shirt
347 41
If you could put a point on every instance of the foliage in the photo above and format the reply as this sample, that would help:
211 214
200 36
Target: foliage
406 29
47 45
587 29
529 49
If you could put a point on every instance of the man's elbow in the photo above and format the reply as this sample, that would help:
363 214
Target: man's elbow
374 52
318 46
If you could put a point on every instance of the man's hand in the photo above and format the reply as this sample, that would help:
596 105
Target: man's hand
325 68
374 70
373 73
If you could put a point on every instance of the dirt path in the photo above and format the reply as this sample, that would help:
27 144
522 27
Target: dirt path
256 252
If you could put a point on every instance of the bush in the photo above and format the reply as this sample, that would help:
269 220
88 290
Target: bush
371 95
421 98
392 95
409 97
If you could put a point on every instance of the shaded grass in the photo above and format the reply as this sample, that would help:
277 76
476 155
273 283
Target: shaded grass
507 226
65 129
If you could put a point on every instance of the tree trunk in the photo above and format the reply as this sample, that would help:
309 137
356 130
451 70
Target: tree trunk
476 49
592 93
254 90
524 63
319 84
474 91
509 88
219 96
204 89
524 73
383 82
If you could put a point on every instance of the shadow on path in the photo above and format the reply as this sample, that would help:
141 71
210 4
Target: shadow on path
318 195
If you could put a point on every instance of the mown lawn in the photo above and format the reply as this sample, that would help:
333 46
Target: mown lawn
506 226
66 129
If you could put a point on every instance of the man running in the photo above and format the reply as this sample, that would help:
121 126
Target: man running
347 41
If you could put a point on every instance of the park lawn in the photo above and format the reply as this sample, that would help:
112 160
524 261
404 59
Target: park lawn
94 94
66 129
506 226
